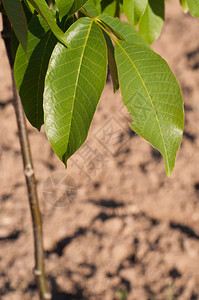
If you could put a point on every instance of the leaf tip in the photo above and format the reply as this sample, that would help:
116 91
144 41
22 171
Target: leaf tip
65 160
169 172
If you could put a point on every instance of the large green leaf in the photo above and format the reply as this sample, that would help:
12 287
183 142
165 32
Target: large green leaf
42 8
77 4
17 18
193 7
64 7
30 69
153 98
74 82
151 22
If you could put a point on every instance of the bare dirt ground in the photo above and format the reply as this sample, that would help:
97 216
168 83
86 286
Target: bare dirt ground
123 225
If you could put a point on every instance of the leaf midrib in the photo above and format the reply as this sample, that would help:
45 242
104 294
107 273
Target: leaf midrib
76 84
145 87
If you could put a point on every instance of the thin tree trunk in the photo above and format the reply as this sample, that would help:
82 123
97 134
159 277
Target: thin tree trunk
39 270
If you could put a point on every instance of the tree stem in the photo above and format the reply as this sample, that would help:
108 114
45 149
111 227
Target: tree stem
39 270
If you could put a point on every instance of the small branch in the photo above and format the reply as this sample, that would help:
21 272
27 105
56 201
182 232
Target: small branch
28 172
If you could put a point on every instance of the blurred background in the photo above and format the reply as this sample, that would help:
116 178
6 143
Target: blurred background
115 226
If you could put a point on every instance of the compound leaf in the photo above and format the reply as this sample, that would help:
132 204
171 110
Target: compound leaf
152 97
16 15
193 7
151 22
74 82
30 69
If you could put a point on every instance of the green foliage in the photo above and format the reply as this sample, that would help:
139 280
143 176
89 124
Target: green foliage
30 70
15 13
134 9
62 76
77 4
129 10
42 8
63 7
139 9
155 106
112 63
151 22
123 30
74 82
93 7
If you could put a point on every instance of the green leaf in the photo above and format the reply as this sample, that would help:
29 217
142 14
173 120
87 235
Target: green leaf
112 63
15 43
93 8
27 11
117 9
139 9
128 6
74 82
193 7
77 4
30 69
184 5
42 8
134 9
17 18
64 7
111 7
122 30
29 6
97 2
108 7
152 97
151 22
